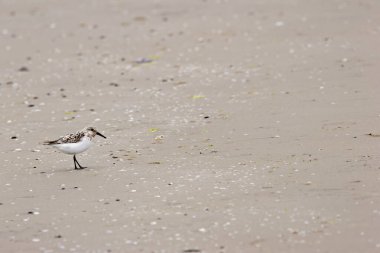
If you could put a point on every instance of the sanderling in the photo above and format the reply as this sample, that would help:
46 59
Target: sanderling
73 144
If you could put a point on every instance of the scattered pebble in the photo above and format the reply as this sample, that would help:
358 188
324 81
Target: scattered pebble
23 69
143 60
114 84
279 23
191 250
202 230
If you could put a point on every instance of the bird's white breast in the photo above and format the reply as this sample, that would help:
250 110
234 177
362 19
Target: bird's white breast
74 148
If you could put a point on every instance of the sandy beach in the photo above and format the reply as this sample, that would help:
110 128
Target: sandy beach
232 126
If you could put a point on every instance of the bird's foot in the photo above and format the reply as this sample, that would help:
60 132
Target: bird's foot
80 168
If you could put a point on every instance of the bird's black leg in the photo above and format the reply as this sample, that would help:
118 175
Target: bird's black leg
75 162
80 166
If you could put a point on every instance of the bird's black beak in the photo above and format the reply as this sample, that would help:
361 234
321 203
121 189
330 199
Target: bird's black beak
97 133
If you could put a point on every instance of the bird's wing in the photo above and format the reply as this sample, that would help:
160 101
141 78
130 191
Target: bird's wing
70 138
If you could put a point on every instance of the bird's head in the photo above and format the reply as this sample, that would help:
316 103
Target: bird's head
92 131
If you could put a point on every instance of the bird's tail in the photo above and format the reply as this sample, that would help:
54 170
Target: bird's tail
49 142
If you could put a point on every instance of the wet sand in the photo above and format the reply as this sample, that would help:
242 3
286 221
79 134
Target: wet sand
233 126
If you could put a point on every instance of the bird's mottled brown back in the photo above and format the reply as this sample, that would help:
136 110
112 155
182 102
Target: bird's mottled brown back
70 138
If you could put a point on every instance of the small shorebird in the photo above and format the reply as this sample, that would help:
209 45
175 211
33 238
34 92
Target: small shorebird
73 144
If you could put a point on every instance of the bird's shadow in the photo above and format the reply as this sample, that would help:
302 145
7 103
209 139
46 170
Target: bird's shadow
72 170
